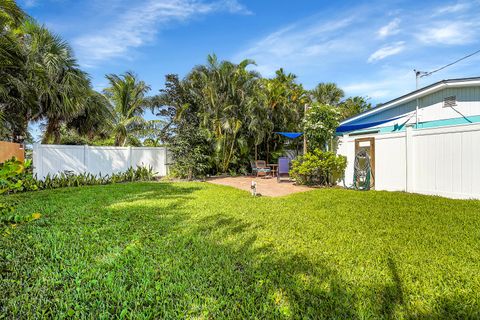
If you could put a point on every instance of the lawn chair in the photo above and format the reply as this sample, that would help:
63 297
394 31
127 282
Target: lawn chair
283 168
262 168
254 168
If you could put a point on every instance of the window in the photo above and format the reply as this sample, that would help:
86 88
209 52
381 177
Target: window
450 102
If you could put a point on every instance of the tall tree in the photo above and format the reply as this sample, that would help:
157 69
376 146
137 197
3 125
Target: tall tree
127 95
61 87
327 93
353 106
95 119
228 91
11 15
285 100
319 125
179 104
15 89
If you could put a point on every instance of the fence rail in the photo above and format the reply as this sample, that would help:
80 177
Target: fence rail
53 159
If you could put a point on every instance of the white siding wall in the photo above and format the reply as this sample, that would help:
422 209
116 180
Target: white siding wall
431 107
443 161
53 159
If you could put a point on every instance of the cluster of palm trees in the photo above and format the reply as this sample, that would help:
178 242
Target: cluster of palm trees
41 81
218 117
234 114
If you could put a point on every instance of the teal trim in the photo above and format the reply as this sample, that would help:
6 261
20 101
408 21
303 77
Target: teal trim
426 124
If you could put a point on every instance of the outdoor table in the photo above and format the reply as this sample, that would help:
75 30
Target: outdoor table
274 167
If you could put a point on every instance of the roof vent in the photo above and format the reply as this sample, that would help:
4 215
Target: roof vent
449 102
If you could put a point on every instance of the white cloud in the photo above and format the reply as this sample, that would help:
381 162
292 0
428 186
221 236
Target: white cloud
387 84
387 51
455 8
449 33
299 44
140 25
390 29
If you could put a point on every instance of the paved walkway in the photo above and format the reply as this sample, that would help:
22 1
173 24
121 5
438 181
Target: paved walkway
266 187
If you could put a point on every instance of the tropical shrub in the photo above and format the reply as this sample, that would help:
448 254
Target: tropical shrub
318 168
320 124
12 173
69 179
16 176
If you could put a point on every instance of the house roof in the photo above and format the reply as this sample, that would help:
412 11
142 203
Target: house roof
460 82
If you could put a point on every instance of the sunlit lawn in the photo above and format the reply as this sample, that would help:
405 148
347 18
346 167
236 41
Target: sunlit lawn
196 250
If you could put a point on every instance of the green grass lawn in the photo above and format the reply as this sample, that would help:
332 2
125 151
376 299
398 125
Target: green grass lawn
196 250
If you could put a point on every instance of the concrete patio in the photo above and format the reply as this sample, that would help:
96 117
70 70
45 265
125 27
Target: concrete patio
265 186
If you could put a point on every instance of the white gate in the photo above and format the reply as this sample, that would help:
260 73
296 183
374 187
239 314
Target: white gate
53 159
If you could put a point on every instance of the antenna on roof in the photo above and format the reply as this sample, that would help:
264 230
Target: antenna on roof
421 74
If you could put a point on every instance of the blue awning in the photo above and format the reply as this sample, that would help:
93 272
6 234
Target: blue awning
290 135
354 127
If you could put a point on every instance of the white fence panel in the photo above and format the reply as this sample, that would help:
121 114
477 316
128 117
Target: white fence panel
107 160
390 162
53 159
447 162
142 156
441 161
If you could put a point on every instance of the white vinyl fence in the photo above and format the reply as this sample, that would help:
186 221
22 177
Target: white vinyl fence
438 161
53 159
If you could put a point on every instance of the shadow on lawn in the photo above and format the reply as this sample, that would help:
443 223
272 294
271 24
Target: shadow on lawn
213 265
273 284
152 253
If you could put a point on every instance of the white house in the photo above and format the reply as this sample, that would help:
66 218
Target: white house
427 141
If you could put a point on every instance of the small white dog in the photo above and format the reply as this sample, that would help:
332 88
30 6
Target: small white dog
253 188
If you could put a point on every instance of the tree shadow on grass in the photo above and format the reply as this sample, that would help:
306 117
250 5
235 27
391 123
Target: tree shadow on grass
155 252
87 239
263 282
453 307
388 296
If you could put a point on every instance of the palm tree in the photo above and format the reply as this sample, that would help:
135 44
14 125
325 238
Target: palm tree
328 93
11 15
226 93
61 87
127 95
95 119
15 90
15 87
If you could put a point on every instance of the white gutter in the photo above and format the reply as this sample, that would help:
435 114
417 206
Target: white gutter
420 94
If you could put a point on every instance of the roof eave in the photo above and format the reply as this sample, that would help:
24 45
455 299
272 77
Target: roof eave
465 82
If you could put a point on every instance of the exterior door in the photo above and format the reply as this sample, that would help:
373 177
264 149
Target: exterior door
367 144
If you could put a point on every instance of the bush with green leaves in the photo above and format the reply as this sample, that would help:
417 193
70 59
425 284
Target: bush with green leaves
320 124
70 179
12 174
318 168
16 176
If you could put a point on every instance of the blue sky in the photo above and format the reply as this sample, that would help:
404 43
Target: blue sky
367 48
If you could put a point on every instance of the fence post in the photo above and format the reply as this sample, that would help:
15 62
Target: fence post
130 156
410 159
85 150
35 157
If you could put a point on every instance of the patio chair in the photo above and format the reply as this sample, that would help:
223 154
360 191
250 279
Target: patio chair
262 168
283 168
254 168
